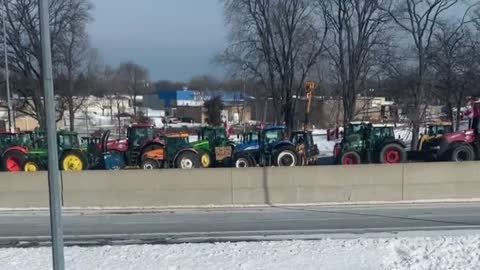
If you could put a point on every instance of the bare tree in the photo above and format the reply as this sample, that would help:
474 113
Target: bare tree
134 79
419 19
453 58
279 42
73 50
24 48
358 28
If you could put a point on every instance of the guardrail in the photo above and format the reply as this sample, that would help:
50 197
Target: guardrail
252 186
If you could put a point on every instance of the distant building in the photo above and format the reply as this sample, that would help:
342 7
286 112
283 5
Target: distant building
189 104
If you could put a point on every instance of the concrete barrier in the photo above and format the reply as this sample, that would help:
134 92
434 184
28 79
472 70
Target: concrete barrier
252 186
147 188
23 190
423 181
316 184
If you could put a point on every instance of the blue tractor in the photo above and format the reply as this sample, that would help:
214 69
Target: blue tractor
269 147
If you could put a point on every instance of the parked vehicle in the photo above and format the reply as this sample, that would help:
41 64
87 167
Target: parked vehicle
13 146
212 149
306 148
272 149
164 157
369 143
140 140
72 156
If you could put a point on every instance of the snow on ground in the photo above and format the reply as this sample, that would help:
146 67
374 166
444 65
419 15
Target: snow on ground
452 252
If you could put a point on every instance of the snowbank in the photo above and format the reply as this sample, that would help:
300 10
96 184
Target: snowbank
453 252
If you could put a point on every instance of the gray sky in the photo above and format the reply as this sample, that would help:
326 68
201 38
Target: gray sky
174 39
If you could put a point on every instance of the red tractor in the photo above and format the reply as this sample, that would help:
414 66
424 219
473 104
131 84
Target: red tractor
457 146
140 139
13 147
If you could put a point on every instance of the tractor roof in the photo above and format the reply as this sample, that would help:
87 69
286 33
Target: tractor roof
446 123
141 126
359 123
67 132
383 125
178 135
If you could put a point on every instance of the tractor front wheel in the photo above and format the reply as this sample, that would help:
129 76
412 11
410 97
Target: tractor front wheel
187 160
150 164
32 166
350 158
73 161
462 153
242 161
205 160
393 154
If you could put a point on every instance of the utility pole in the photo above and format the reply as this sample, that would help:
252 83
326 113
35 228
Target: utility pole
11 124
56 224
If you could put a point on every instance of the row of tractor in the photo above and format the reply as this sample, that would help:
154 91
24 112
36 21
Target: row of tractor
150 148
365 143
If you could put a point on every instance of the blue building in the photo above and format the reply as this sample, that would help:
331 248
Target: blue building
175 98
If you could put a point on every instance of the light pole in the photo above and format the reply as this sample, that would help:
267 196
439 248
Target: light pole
11 125
56 225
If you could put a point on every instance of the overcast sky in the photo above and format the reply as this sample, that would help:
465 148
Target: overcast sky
174 39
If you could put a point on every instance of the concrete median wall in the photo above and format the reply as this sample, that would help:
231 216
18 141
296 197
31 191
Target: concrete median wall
147 188
23 190
253 186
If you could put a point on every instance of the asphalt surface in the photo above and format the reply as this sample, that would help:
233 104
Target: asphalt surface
30 228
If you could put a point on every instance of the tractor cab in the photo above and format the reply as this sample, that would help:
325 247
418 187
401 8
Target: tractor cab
365 142
139 135
306 147
434 131
270 136
250 137
67 140
214 135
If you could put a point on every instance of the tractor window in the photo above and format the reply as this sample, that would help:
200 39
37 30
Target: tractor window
66 141
272 136
221 135
139 135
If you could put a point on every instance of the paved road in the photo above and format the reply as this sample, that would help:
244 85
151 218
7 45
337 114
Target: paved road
173 226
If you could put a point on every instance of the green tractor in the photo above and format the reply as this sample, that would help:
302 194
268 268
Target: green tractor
72 156
366 143
212 149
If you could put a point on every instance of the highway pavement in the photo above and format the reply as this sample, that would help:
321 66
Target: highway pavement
100 227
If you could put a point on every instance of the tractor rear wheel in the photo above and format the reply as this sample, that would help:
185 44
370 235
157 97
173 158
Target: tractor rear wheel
462 153
350 158
187 160
392 154
285 157
13 161
73 161
242 161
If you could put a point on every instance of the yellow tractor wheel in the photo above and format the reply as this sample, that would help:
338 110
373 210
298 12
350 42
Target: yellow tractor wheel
31 166
72 161
205 160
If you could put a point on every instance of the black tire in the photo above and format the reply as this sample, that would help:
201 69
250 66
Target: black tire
462 153
150 164
242 161
187 160
350 158
393 154
19 159
285 157
82 165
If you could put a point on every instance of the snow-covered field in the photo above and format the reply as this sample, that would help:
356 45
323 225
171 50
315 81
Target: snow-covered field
452 252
